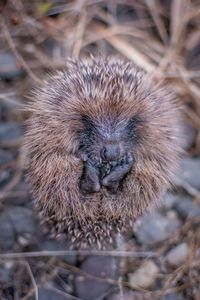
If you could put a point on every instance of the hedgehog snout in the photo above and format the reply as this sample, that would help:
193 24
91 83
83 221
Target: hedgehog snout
110 152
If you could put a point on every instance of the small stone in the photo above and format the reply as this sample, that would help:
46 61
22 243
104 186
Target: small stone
171 214
24 240
20 195
178 255
145 276
189 135
22 220
189 171
1 113
50 294
4 176
100 266
169 200
173 296
10 131
155 228
17 224
186 207
5 157
128 295
7 234
46 244
8 66
5 275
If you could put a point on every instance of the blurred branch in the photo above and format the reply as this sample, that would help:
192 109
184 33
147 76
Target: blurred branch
125 48
80 28
153 5
114 253
16 53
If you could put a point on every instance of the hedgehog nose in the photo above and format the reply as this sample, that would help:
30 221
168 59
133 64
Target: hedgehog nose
110 152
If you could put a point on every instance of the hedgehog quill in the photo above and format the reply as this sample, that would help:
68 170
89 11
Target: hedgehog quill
101 143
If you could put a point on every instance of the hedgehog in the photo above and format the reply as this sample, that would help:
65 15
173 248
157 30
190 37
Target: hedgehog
101 143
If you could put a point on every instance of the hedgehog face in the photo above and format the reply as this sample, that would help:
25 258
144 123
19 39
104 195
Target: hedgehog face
106 152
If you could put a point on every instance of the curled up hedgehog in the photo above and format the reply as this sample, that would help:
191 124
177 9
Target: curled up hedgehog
101 143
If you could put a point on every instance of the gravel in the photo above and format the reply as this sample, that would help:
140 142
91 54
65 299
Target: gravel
155 228
186 207
189 135
100 266
17 224
178 255
5 157
10 131
50 294
7 233
8 66
145 275
189 171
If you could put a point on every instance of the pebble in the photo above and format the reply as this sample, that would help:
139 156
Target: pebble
5 273
22 219
50 294
145 276
100 266
4 177
155 228
178 255
7 234
10 131
186 207
127 295
55 245
169 200
9 66
20 195
173 296
16 221
189 171
5 157
189 135
1 113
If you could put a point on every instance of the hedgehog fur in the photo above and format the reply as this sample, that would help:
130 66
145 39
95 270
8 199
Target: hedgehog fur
92 105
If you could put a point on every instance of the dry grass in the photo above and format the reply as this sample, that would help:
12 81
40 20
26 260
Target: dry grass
163 38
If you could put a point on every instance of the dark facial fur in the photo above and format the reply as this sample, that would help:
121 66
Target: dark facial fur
106 153
101 145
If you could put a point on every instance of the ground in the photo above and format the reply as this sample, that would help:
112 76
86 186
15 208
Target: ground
160 258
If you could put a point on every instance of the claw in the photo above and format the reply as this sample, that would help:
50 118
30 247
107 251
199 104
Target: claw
117 173
90 178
